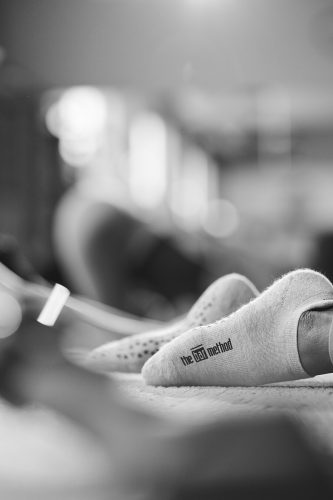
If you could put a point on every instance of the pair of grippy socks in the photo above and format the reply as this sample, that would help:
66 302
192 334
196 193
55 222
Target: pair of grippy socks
221 298
255 345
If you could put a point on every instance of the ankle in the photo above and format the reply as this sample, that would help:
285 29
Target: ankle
313 338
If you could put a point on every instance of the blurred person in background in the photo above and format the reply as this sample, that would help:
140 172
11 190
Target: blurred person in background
109 254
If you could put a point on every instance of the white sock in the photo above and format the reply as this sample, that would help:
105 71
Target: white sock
221 298
255 345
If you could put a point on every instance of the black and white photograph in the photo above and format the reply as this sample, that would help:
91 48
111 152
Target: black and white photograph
166 249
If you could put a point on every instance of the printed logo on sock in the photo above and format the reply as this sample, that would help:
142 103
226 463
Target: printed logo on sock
199 353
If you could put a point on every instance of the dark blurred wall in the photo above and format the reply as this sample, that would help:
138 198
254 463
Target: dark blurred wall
30 181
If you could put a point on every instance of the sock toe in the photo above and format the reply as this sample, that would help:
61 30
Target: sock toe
125 355
159 370
164 369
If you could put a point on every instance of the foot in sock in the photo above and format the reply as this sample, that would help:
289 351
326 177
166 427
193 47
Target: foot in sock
260 343
221 298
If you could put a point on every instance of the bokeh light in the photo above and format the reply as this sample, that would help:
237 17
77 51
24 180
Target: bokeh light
148 160
78 119
220 219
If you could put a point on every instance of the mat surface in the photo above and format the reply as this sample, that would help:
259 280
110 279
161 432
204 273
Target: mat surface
40 449
309 402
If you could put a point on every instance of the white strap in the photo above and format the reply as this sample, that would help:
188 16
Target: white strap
53 306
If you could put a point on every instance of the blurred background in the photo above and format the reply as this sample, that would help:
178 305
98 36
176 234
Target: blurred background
148 147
